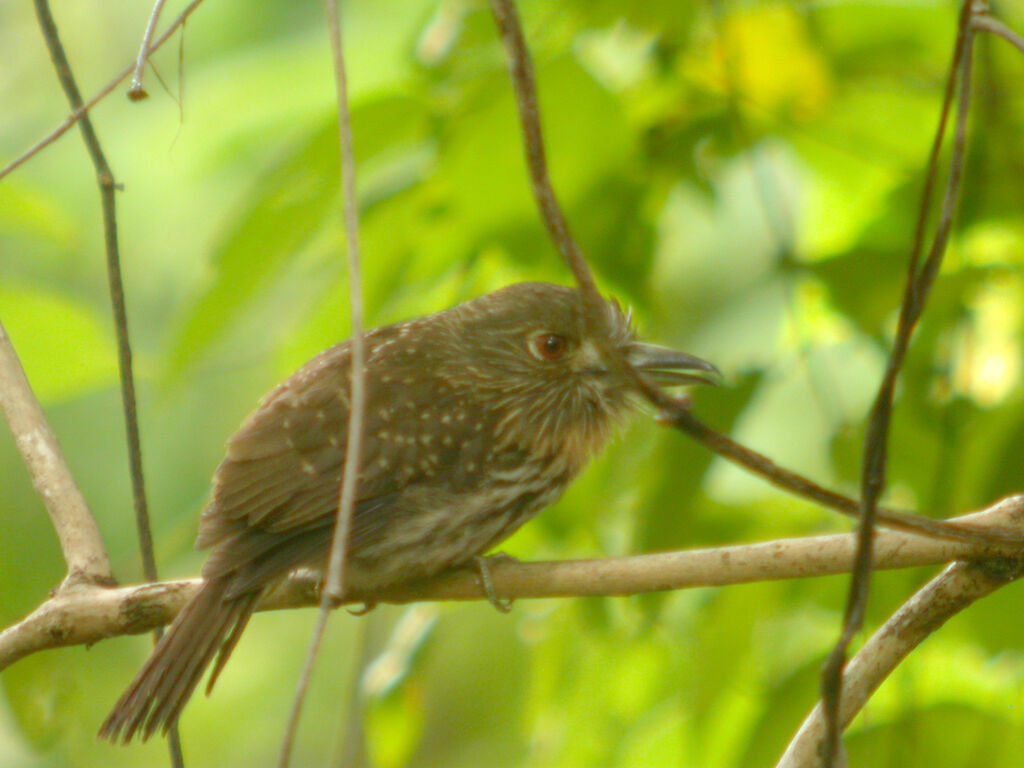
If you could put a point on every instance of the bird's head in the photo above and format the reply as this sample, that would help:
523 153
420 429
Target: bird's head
528 351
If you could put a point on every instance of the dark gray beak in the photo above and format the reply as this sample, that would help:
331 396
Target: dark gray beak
667 368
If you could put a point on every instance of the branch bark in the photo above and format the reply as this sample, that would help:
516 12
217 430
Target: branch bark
79 536
88 616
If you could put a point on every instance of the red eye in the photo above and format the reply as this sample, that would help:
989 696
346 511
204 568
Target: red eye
549 346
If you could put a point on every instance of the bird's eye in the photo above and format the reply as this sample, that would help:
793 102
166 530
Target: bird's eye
549 346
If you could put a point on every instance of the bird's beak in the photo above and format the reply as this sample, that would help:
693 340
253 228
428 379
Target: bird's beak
666 367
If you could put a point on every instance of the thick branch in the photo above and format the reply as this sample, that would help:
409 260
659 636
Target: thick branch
79 536
88 616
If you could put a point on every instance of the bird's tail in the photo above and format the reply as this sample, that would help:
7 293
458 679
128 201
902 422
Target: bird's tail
158 693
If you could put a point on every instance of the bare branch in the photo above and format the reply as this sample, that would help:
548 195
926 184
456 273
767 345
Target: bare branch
87 616
943 597
76 528
136 92
875 457
672 411
988 23
797 484
334 588
521 71
80 112
108 187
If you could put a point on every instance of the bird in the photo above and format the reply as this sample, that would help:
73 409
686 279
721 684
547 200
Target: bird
476 418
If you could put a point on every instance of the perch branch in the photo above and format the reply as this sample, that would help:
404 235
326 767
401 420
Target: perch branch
88 616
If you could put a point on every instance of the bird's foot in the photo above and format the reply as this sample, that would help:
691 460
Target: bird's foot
367 607
320 591
483 565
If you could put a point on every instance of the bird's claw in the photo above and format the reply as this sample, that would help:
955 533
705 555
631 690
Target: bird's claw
320 591
483 566
367 607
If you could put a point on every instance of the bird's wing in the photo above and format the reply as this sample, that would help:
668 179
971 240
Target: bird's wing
283 466
282 472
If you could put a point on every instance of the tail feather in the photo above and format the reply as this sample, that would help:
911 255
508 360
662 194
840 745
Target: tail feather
156 696
227 647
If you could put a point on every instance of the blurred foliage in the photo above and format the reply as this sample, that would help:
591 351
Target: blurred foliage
744 174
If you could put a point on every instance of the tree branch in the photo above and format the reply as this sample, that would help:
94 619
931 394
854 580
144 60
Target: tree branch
80 112
108 203
988 23
957 587
89 615
137 92
334 586
76 528
918 285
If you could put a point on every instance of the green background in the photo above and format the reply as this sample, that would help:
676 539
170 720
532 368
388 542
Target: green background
744 175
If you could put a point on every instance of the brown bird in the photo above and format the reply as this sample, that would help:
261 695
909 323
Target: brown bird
476 419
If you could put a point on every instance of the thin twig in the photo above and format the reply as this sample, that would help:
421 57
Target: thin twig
595 315
136 92
918 284
988 23
671 410
960 585
79 536
521 71
107 186
351 746
78 114
797 484
334 588
86 616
